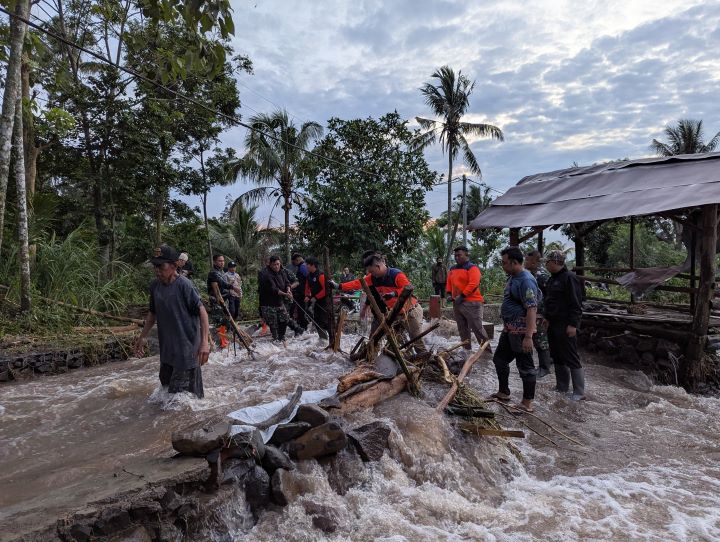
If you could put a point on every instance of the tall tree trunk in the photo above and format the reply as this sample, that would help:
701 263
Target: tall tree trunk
31 150
448 248
12 85
22 213
204 204
159 205
286 208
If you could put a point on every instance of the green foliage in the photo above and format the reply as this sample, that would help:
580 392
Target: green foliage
686 137
369 192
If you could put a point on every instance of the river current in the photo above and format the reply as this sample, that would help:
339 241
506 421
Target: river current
648 468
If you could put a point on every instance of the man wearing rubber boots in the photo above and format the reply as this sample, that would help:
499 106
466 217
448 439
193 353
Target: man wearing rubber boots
540 339
519 314
463 290
563 309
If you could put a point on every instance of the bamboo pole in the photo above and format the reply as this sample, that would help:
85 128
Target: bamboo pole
245 339
463 373
329 297
395 348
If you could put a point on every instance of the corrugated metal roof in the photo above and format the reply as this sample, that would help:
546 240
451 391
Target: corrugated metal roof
613 190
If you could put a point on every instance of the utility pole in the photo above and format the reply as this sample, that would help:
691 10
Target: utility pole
464 209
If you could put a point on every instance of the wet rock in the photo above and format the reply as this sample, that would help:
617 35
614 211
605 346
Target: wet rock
80 532
330 402
345 470
663 363
312 414
288 431
279 492
257 489
138 534
245 445
202 438
665 347
171 501
628 354
276 459
4 376
636 380
370 440
325 439
168 532
188 509
235 470
111 520
324 517
646 344
647 358
145 510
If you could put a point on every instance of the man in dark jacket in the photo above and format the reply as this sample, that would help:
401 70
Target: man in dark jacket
439 277
563 310
274 288
217 315
300 270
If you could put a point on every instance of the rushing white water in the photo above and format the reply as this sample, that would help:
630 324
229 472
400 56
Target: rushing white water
648 469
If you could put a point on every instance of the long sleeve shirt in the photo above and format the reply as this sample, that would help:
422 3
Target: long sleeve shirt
465 279
315 285
563 303
393 281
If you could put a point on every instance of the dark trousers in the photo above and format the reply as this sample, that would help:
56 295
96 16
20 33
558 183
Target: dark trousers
320 314
563 349
509 349
178 380
439 288
277 320
233 305
300 317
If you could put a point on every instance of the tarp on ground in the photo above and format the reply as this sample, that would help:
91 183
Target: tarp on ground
613 190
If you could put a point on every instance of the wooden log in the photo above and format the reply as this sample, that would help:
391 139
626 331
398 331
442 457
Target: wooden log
339 329
469 411
680 289
432 328
358 376
99 314
390 317
109 329
691 371
463 373
371 396
654 331
469 427
395 348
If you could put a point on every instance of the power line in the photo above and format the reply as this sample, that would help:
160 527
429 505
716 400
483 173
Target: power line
134 73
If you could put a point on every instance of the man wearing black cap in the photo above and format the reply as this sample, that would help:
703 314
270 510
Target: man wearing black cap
182 326
217 316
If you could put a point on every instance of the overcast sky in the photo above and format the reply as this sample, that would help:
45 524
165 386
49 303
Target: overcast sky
565 81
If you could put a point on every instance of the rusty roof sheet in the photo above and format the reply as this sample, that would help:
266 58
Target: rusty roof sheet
612 190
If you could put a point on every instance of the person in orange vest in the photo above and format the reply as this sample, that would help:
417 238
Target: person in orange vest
389 283
463 290
315 293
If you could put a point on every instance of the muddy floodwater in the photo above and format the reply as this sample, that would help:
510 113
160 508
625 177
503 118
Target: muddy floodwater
648 467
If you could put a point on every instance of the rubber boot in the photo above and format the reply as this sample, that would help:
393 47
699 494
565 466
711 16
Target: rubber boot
578 381
222 333
562 378
544 361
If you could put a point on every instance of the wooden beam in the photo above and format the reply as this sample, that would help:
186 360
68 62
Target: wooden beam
679 289
692 372
514 237
532 233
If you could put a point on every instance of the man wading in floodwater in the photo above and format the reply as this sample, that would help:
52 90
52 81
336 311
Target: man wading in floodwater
182 326
519 314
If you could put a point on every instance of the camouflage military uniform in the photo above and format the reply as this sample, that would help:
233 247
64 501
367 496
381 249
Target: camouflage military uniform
540 339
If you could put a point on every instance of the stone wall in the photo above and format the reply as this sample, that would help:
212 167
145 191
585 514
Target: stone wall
44 361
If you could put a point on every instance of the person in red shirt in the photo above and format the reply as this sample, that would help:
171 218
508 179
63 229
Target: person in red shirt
389 283
315 293
463 290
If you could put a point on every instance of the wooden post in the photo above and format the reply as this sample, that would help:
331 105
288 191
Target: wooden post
540 242
579 248
632 251
693 271
514 237
329 297
693 371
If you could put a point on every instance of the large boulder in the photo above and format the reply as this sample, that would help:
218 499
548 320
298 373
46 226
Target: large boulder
324 517
245 445
312 414
288 431
370 440
201 438
275 459
325 439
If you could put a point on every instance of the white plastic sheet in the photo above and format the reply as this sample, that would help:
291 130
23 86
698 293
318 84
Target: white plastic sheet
259 413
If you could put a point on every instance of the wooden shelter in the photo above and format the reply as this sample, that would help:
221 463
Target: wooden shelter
685 189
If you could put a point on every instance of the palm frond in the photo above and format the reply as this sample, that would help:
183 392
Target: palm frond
469 157
482 130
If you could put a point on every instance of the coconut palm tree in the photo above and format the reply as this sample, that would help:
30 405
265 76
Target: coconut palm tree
241 238
685 138
274 154
448 97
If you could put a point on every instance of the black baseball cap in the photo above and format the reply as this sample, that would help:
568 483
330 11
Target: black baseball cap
232 264
166 254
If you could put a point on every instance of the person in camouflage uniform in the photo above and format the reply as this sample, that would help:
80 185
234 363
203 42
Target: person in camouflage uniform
219 323
532 263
